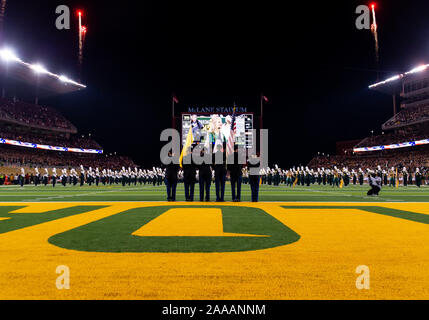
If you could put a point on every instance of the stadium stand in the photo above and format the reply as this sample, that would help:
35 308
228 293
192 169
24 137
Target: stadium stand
12 156
47 137
416 157
407 117
32 115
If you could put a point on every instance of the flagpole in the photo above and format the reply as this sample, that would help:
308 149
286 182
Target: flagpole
262 112
172 112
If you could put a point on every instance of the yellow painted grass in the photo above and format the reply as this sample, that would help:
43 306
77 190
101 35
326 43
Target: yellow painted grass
321 265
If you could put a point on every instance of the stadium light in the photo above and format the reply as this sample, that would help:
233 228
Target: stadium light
64 78
417 69
8 55
38 68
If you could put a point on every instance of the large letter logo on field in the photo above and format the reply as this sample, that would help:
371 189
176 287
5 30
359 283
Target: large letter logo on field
179 229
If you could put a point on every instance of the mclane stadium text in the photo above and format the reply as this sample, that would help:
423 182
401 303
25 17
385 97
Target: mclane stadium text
245 309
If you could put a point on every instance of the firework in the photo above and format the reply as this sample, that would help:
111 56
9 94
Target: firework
2 13
374 32
82 34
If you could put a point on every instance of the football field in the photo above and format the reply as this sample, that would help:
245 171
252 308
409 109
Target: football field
128 243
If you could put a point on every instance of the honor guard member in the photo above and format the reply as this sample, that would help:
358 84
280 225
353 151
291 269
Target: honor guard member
254 177
36 177
404 176
204 178
219 167
171 173
418 177
189 175
82 175
235 174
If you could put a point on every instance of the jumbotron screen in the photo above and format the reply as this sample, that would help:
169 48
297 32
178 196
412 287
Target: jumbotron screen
215 127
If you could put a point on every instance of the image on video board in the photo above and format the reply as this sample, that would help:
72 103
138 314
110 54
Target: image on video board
215 128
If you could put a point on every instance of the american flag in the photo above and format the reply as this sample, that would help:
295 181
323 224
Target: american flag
231 139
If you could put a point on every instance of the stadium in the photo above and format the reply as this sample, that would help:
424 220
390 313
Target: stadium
80 223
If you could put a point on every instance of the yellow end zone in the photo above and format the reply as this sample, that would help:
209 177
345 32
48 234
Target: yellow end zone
321 265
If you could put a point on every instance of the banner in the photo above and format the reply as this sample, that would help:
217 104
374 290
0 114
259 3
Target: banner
393 146
46 147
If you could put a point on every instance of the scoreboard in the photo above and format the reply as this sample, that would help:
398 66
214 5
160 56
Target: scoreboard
243 126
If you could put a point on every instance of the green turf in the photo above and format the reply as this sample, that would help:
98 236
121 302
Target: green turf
114 233
401 214
22 220
350 193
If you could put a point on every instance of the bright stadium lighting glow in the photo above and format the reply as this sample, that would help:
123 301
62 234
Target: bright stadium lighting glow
38 68
64 78
8 55
414 70
417 69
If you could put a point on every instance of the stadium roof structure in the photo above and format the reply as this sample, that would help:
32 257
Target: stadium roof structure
48 83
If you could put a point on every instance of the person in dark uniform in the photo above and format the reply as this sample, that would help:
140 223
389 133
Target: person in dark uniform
171 179
219 167
189 176
235 174
205 179
254 180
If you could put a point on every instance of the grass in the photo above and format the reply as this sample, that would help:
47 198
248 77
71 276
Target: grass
314 193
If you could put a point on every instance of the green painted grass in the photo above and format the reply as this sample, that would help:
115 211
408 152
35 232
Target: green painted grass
315 193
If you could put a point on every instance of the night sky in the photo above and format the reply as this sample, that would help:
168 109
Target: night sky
307 58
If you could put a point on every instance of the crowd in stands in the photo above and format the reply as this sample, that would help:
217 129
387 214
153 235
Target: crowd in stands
411 157
52 139
405 135
20 156
409 115
31 114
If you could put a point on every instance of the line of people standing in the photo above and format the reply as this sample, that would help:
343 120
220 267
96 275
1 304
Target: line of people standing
218 168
